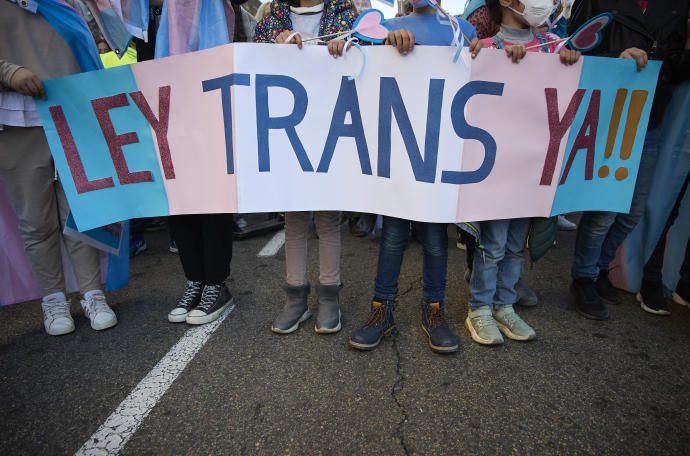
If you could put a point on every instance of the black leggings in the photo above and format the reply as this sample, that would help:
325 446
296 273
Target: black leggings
205 245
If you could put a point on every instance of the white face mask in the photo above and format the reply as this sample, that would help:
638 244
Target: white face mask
536 11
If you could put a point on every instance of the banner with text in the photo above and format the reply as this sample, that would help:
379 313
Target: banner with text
269 128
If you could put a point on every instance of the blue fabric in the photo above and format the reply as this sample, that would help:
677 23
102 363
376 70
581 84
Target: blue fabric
599 234
211 30
74 31
428 30
434 237
473 6
498 267
118 265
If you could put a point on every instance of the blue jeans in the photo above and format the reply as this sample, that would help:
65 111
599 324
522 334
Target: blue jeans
599 234
498 267
434 237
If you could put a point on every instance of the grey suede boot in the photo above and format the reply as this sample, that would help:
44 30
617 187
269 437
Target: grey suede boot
328 320
295 310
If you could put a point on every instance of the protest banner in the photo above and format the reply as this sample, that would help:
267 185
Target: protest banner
268 128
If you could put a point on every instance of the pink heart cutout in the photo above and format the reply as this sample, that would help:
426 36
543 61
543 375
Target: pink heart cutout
590 35
369 25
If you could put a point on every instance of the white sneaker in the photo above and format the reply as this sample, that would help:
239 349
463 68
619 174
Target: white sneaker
98 311
678 299
565 225
56 317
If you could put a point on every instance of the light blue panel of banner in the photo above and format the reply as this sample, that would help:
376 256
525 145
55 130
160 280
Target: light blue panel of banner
601 174
98 195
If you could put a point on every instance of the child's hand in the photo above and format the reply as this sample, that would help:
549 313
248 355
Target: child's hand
402 39
569 57
475 47
27 83
335 47
516 52
285 34
636 54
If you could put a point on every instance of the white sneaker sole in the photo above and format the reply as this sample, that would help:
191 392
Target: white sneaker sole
59 332
330 330
511 335
203 319
305 316
678 299
476 338
649 309
179 318
105 325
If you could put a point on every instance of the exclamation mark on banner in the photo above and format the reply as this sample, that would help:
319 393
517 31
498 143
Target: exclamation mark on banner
637 102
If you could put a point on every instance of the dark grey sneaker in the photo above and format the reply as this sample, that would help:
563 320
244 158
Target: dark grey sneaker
605 288
295 310
189 300
586 300
214 300
651 298
328 319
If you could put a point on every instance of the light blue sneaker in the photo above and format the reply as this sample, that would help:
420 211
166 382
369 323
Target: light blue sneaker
512 326
482 326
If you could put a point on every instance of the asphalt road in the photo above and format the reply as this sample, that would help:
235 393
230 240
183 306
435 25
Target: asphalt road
584 387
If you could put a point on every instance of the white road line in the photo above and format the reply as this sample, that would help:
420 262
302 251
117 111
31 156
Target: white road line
112 436
272 247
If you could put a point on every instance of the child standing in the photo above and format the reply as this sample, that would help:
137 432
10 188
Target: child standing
289 21
427 30
496 272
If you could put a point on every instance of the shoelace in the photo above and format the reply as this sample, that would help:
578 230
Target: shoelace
510 319
56 310
436 317
98 304
209 296
190 294
484 320
377 315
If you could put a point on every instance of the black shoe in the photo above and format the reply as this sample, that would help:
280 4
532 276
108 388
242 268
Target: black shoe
441 338
379 324
587 302
189 300
651 298
214 300
605 288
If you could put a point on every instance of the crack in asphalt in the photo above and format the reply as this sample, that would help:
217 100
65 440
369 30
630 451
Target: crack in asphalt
400 381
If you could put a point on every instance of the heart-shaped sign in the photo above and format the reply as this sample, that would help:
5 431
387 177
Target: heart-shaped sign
588 36
369 26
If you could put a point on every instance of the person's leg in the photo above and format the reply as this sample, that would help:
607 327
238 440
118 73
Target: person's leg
513 261
391 249
480 322
26 168
295 310
328 229
510 270
625 223
216 232
296 234
186 230
216 253
591 234
434 238
682 293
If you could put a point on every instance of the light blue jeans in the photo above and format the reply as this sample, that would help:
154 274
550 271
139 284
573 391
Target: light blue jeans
498 266
599 234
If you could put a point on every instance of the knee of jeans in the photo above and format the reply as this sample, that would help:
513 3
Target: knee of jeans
596 223
436 250
487 255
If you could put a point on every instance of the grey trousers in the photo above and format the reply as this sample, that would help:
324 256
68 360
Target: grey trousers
26 166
